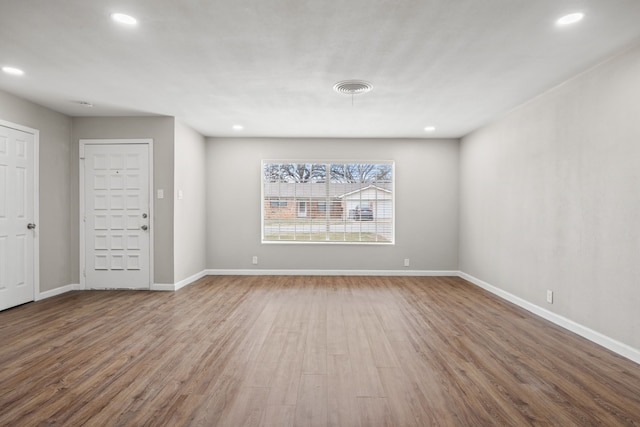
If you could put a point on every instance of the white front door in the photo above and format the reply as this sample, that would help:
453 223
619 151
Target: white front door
17 217
116 217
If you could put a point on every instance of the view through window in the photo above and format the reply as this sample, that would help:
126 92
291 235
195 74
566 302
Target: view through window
328 202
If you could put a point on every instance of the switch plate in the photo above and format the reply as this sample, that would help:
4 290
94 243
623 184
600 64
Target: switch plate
180 195
549 296
406 262
160 194
254 260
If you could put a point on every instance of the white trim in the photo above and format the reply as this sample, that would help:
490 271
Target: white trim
189 280
245 272
18 127
594 336
178 285
81 145
57 291
36 200
163 287
36 211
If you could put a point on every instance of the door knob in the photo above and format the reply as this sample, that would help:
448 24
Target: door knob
31 226
144 227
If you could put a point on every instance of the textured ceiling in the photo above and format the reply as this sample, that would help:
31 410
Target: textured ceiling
270 65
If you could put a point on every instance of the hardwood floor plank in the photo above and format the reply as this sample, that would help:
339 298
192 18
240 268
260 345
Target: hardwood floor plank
374 412
315 352
365 373
311 409
247 409
402 399
342 396
278 416
381 349
286 376
336 330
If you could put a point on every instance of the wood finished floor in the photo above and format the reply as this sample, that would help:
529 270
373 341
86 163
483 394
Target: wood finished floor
304 351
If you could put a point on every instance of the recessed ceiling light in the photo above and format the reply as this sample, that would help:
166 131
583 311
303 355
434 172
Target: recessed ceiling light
13 71
571 18
429 128
238 127
124 18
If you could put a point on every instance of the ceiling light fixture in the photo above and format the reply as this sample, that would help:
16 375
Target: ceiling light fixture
238 127
85 104
123 18
352 87
569 19
13 71
429 128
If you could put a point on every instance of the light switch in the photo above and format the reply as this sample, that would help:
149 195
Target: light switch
160 194
179 194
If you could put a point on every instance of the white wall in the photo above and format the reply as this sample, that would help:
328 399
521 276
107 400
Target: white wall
426 204
56 247
550 199
189 218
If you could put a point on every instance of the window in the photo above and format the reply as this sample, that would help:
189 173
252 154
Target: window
278 203
328 202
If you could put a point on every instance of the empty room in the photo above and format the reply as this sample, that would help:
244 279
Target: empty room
319 213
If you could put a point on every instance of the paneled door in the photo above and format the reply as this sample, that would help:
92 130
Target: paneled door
17 217
116 217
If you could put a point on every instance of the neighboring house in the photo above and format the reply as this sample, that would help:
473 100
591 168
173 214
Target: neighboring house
380 200
309 200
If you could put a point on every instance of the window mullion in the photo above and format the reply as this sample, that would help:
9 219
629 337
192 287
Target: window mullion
327 201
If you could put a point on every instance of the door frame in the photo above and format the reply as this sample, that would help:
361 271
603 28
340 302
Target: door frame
36 200
82 144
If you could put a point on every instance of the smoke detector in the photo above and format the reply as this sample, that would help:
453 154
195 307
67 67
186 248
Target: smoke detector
352 87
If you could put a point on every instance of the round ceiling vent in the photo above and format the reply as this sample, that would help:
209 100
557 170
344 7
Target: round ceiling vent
352 87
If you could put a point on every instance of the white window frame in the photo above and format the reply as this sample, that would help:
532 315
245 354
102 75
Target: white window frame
329 203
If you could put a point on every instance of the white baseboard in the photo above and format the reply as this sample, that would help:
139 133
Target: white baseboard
163 287
598 338
57 291
179 285
256 272
189 280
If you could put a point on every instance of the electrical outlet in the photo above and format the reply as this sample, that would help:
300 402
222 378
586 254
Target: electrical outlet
549 296
255 260
406 262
